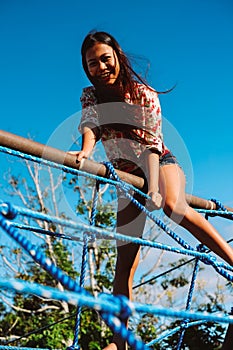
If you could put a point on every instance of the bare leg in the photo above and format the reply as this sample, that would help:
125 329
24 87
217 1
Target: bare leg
228 341
172 187
130 221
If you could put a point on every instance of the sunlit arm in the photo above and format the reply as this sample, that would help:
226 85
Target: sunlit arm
88 143
153 178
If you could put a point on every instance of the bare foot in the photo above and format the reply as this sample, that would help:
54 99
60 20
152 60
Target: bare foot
111 346
114 346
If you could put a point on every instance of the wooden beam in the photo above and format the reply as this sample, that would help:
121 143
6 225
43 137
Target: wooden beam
39 150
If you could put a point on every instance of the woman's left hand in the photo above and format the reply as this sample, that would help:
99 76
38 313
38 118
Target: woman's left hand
155 202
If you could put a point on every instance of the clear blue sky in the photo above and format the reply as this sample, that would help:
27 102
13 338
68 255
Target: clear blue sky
188 42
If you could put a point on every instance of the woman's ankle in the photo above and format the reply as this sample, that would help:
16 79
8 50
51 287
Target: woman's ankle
114 346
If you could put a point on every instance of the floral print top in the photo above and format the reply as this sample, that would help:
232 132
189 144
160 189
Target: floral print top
127 129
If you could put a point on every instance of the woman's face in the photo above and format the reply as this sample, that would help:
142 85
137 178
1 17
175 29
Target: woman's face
103 64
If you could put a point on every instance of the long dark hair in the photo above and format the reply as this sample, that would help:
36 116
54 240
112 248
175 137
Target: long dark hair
127 75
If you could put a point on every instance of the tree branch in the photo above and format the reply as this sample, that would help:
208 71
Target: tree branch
28 311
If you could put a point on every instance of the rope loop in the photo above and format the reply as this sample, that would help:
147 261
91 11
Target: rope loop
111 174
202 248
72 347
126 306
8 211
219 205
184 325
211 260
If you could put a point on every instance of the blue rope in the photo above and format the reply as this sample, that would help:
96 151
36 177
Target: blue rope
169 333
125 190
218 204
75 345
119 328
46 232
94 204
220 210
189 298
38 256
108 303
100 233
124 306
5 347
108 320
62 167
60 276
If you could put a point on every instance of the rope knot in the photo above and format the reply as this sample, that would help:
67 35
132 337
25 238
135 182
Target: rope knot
126 306
111 174
73 347
8 210
219 205
184 325
202 248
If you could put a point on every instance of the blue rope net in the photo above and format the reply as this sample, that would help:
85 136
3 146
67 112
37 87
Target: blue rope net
113 309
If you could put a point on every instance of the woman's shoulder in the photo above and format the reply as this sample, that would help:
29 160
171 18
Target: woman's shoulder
144 89
145 92
88 90
88 95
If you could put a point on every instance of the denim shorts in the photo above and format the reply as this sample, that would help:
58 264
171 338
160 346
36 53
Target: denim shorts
167 159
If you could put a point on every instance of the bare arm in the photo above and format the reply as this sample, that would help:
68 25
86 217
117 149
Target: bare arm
153 180
88 143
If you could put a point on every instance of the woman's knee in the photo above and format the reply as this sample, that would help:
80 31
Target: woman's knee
174 207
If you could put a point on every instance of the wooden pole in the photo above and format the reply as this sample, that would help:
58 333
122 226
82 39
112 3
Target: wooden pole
39 150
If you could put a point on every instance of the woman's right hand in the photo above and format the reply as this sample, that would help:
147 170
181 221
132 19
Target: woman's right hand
79 154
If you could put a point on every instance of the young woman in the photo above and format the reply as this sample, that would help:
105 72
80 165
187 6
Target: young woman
124 112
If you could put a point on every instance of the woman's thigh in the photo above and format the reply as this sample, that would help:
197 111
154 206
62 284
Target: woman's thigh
172 184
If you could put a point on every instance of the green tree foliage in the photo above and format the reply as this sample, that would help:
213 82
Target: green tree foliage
30 321
32 314
207 336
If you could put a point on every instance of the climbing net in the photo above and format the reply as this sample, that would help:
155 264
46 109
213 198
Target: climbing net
113 309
